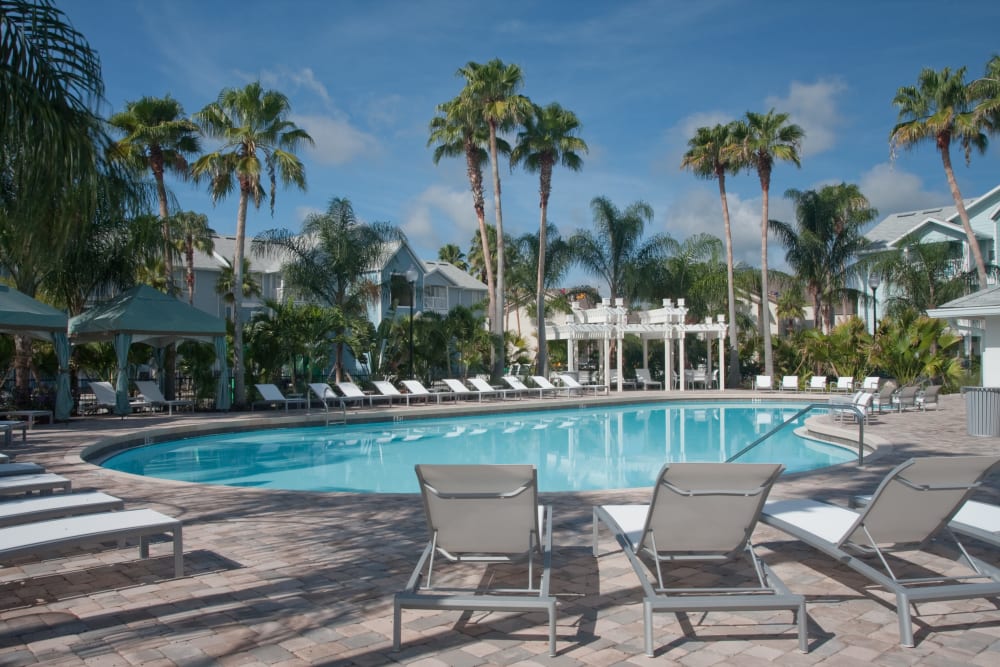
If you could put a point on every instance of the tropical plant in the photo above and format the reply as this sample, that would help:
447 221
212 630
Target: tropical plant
548 138
226 281
191 232
922 274
986 91
692 270
765 138
913 347
288 336
490 93
709 156
158 137
331 261
824 243
452 254
940 107
257 139
616 251
197 361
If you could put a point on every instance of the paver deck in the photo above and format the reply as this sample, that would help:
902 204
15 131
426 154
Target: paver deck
299 578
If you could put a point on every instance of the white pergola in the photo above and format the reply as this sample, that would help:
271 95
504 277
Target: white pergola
609 321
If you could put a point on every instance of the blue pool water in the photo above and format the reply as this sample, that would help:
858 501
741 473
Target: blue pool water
593 448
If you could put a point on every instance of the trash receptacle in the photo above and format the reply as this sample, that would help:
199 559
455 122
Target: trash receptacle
982 410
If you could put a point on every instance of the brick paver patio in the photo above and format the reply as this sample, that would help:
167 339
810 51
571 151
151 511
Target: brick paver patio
297 578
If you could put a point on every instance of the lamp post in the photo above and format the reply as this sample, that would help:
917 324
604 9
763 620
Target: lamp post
874 282
411 277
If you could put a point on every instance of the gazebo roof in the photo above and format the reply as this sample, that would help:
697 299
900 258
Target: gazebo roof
21 314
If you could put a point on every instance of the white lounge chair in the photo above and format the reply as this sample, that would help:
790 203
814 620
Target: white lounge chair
544 384
790 383
416 388
386 388
353 393
482 514
871 383
913 505
273 396
643 377
844 384
13 469
572 383
817 383
107 397
45 482
486 389
700 512
763 383
16 511
626 382
43 537
327 396
459 390
521 388
152 395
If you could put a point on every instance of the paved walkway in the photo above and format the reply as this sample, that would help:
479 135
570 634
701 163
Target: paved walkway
297 578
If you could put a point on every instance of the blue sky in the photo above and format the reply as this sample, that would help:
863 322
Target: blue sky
364 79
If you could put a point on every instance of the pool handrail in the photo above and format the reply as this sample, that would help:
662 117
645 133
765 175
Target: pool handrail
858 412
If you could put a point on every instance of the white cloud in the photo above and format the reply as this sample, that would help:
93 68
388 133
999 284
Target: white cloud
813 107
285 79
892 190
438 216
337 141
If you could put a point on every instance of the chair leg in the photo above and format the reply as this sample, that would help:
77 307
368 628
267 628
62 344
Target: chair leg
905 622
647 622
803 627
552 628
397 630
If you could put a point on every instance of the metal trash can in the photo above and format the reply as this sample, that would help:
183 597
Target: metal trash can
982 410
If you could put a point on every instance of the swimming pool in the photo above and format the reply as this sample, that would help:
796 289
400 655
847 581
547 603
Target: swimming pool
579 449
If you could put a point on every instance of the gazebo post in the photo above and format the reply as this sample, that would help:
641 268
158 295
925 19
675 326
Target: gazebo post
668 361
680 361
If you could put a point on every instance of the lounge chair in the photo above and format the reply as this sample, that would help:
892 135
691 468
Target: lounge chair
386 388
817 383
543 383
871 383
12 469
461 391
929 397
486 514
481 385
975 519
700 512
643 378
353 393
273 396
882 397
790 383
45 482
152 395
841 405
521 388
572 383
844 384
912 506
416 388
106 397
626 382
327 396
763 383
41 508
906 397
42 537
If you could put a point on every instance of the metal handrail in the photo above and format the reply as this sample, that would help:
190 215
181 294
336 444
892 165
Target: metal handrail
849 407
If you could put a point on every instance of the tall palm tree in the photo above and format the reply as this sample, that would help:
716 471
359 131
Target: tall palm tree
331 261
257 138
940 107
616 251
824 242
158 137
491 92
547 138
191 232
709 156
986 91
764 139
452 254
458 131
225 283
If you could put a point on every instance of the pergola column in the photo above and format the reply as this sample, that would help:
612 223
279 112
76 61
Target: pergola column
680 363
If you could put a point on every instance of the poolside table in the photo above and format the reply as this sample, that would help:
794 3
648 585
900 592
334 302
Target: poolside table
31 415
7 427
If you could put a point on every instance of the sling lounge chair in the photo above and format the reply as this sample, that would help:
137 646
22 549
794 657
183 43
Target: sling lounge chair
790 383
700 512
871 383
42 537
485 514
976 519
543 383
107 397
479 384
416 388
11 469
913 505
386 388
521 388
41 508
459 390
45 482
817 383
763 383
353 392
327 396
844 384
573 383
273 396
152 395
929 397
906 397
643 377
882 397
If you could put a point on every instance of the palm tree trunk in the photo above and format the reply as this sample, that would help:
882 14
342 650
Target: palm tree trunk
734 357
970 235
189 256
542 358
170 353
498 362
765 324
239 386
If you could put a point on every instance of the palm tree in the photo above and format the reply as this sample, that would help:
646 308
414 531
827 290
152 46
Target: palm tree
191 232
491 93
452 254
940 107
764 139
158 136
987 93
547 138
257 138
824 242
708 156
226 281
331 261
